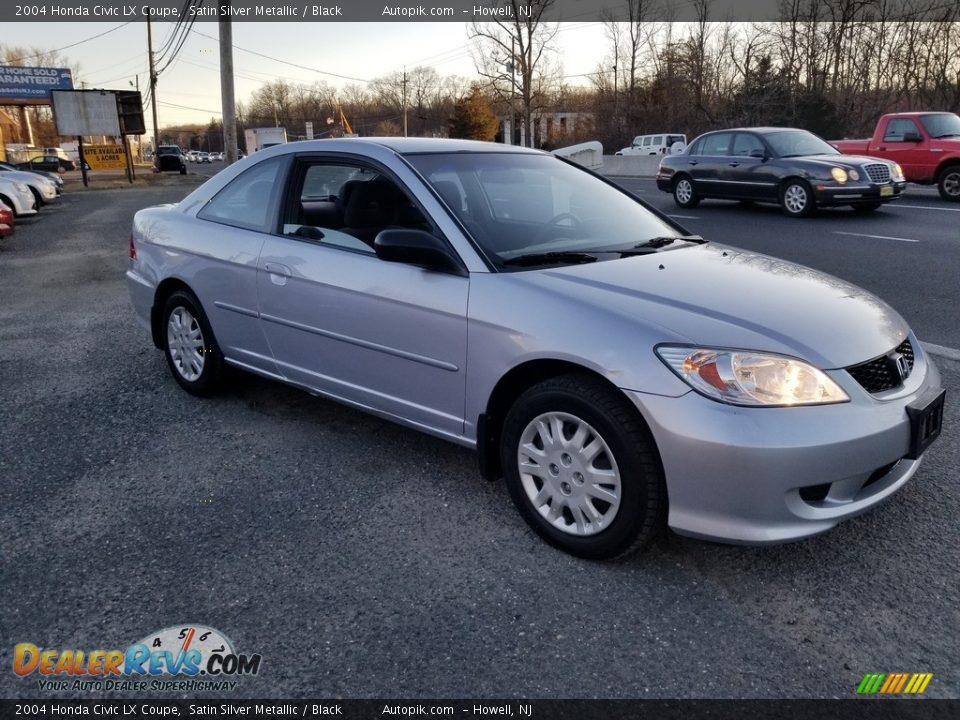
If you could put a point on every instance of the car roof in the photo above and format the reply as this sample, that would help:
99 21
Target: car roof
757 130
414 146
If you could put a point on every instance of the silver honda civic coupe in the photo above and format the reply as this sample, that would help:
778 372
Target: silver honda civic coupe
621 374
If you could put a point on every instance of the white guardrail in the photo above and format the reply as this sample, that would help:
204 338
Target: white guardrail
590 155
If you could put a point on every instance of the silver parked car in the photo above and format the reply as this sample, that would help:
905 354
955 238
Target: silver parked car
621 374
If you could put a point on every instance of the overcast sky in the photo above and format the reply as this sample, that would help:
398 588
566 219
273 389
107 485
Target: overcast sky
350 50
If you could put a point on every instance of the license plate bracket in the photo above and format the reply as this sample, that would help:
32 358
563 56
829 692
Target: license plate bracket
926 421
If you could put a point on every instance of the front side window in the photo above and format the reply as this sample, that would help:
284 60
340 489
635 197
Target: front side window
647 141
346 205
898 128
247 200
515 204
746 143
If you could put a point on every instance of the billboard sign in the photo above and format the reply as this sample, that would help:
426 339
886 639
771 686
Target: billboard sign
32 85
86 112
105 157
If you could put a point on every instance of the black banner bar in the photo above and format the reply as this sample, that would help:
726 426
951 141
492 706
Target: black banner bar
460 10
392 709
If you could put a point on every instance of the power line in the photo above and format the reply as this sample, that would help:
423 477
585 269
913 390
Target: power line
67 47
291 64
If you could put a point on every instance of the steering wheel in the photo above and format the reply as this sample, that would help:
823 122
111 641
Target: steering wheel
554 222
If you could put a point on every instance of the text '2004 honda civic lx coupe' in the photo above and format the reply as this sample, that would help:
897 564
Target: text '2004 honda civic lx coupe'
619 373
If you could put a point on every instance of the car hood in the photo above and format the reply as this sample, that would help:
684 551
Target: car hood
724 297
23 176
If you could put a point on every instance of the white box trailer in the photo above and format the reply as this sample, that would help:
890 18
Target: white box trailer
260 138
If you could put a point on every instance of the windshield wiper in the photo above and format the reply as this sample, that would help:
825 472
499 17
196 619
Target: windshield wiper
945 135
549 258
659 242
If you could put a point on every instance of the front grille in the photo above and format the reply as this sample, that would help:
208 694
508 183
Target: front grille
878 172
883 373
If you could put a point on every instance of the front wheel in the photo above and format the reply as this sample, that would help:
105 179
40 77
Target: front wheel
949 183
582 468
191 349
796 199
685 194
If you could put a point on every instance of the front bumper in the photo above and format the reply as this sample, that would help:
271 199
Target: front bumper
856 193
735 474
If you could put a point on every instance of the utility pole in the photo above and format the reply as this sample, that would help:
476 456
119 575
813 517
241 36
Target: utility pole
153 86
404 101
227 103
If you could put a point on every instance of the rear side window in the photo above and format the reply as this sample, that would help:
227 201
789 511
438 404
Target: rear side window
718 144
246 202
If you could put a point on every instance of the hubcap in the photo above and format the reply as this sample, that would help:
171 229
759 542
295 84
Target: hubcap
185 344
951 184
795 198
684 191
569 474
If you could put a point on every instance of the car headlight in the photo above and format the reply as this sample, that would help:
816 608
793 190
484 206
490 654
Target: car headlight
839 174
743 377
898 171
854 175
21 188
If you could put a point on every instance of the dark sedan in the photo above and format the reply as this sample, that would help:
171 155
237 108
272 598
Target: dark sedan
49 163
793 168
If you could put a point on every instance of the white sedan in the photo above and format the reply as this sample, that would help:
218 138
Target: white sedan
17 196
42 189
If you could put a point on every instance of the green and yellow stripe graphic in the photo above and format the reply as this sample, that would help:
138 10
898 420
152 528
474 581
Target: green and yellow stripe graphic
894 683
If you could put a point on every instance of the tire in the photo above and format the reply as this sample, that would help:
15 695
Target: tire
192 353
183 171
866 207
796 198
595 520
37 198
948 183
684 193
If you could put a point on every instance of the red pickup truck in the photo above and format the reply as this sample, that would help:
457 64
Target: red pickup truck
925 144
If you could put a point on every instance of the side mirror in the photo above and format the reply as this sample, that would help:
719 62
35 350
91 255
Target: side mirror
912 137
416 247
757 153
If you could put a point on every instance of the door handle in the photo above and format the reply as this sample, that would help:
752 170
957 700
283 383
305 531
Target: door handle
882 147
734 164
693 162
278 269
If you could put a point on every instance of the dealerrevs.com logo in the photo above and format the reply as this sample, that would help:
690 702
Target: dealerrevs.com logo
178 658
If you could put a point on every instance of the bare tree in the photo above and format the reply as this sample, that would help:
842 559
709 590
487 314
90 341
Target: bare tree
511 55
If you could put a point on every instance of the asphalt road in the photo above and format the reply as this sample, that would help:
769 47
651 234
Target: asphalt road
361 559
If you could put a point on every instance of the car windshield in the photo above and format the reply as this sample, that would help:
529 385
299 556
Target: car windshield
516 205
168 150
941 125
794 143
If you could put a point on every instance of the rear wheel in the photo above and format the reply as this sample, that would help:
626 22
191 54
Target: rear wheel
191 349
582 468
796 199
949 183
684 193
